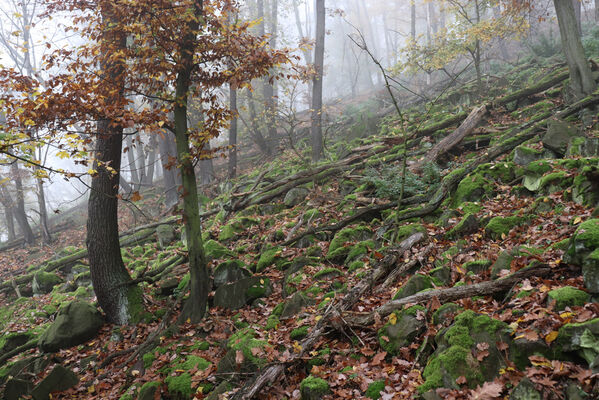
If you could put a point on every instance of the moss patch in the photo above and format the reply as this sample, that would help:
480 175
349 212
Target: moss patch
568 297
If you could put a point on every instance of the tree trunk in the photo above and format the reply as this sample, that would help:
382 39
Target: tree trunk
596 10
206 166
581 78
41 200
316 129
10 223
577 5
150 167
140 162
134 178
255 132
233 133
413 20
170 174
195 306
19 209
120 300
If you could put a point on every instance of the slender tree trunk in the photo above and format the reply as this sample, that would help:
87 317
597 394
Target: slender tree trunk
195 306
206 166
125 185
233 133
413 20
140 162
597 11
581 78
120 300
316 129
170 173
19 210
577 5
131 159
10 223
150 167
41 199
256 133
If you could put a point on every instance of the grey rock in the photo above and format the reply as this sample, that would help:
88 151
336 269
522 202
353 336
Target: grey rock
559 134
166 235
244 291
16 388
43 282
295 196
295 304
76 323
525 155
230 272
58 380
525 390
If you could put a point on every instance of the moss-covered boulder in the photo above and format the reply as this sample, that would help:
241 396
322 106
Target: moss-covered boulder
314 388
166 235
215 250
567 296
76 323
525 155
533 174
244 291
476 266
359 250
374 390
456 346
415 284
179 386
16 389
295 196
249 346
229 272
525 390
446 313
559 133
235 227
584 251
583 146
148 390
58 380
43 282
585 188
339 247
503 263
268 257
499 227
401 329
473 187
467 225
295 304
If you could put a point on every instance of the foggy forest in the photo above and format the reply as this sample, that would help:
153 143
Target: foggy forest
299 199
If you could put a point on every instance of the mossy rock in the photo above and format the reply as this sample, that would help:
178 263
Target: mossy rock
525 390
581 339
229 272
43 282
533 174
401 329
294 305
244 341
467 225
473 187
244 291
554 182
524 155
314 388
327 273
567 296
405 231
179 387
453 357
503 263
559 133
441 275
445 312
268 257
299 333
585 190
148 390
498 227
338 249
215 250
503 172
415 284
584 250
359 250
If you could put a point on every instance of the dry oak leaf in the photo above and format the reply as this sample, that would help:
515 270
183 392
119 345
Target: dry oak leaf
489 391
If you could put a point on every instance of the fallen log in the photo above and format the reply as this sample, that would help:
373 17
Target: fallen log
271 372
445 295
546 83
454 138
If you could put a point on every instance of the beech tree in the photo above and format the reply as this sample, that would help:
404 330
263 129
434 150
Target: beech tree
581 78
316 128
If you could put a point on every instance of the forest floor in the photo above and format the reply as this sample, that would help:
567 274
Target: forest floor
320 276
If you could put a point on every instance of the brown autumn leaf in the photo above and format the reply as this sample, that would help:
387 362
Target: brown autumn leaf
376 360
461 380
239 357
489 391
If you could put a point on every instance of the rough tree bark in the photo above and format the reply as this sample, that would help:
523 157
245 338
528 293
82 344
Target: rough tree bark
195 306
581 78
19 208
170 174
316 128
233 133
121 301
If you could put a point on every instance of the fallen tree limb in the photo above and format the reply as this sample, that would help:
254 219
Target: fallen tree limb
445 295
454 138
18 350
544 84
271 372
404 268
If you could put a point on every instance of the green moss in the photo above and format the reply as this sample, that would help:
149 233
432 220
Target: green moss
180 386
268 258
244 341
313 388
472 188
148 387
148 360
299 333
568 297
588 234
215 250
337 247
374 389
457 361
405 231
499 226
192 362
415 284
355 265
557 180
359 249
470 208
538 168
327 273
137 251
477 266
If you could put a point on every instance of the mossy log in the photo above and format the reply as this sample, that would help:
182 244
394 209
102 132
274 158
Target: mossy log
446 295
18 350
272 372
448 142
544 84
